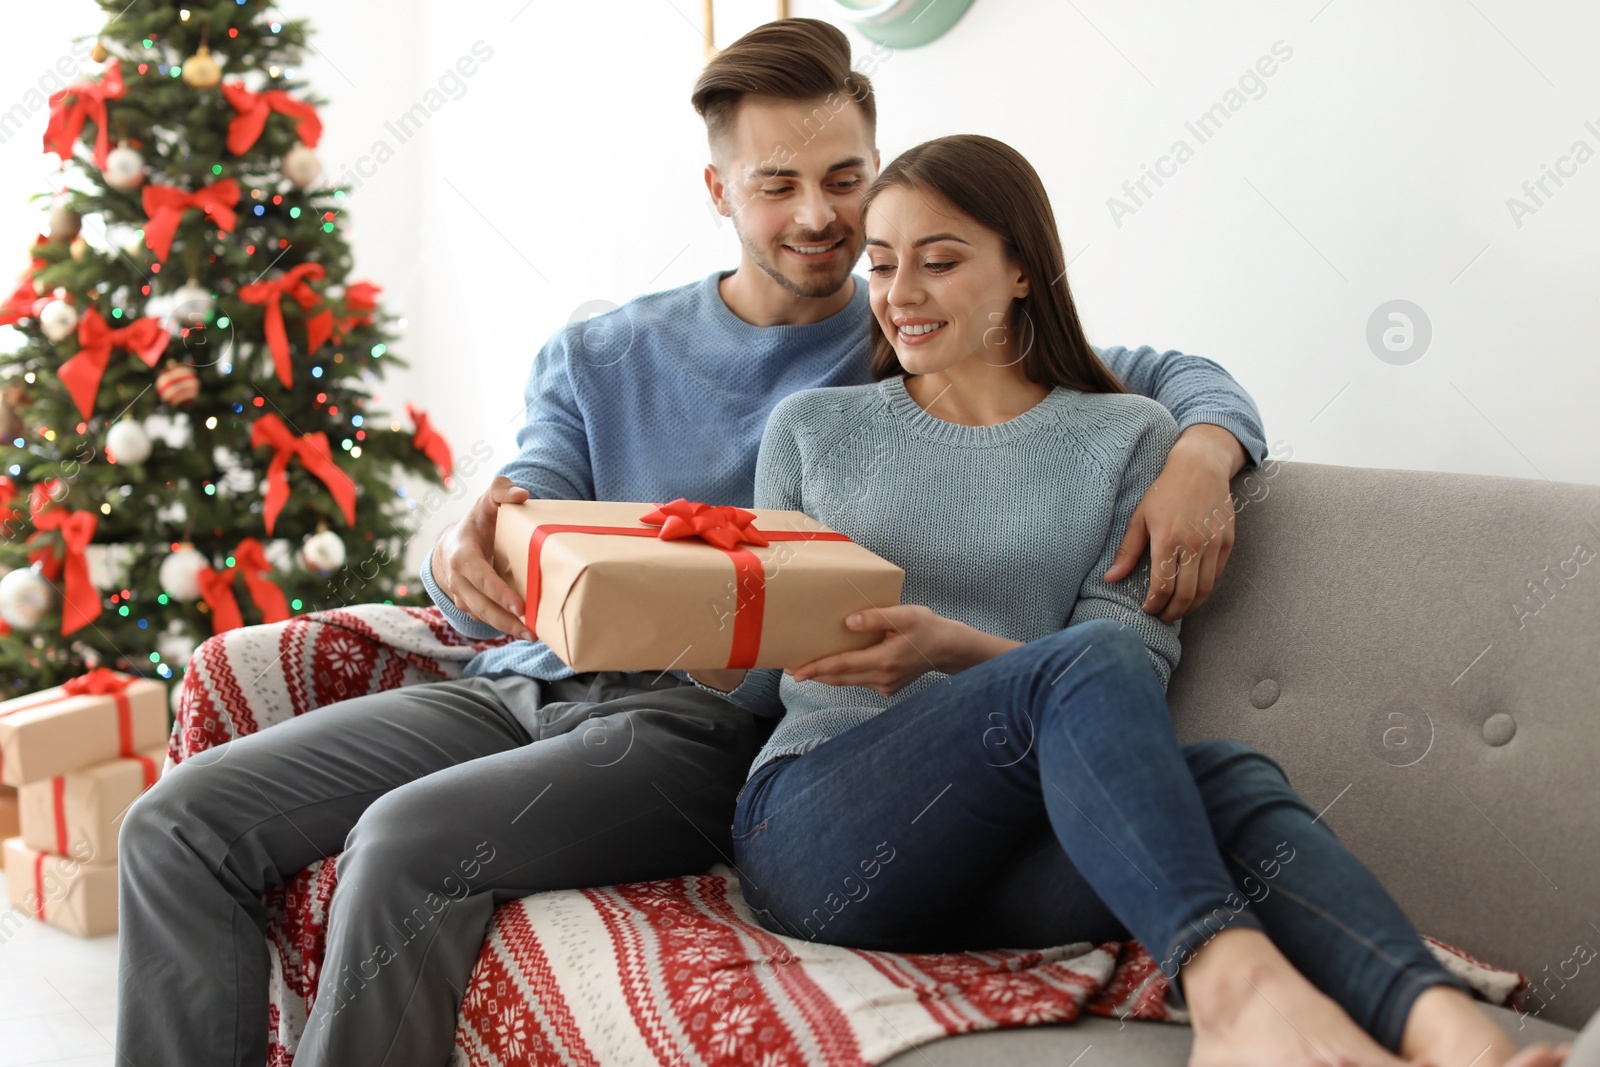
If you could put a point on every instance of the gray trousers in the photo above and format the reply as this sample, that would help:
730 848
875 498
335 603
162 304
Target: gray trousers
447 799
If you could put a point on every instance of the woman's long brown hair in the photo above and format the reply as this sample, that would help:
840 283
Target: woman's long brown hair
991 182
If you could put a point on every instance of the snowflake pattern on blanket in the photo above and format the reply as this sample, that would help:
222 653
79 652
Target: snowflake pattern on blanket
670 972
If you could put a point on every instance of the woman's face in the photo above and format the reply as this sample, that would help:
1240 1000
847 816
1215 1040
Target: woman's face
941 286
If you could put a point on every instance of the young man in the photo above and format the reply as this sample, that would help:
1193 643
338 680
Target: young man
450 798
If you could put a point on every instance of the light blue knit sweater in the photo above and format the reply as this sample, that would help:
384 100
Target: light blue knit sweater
1007 528
667 396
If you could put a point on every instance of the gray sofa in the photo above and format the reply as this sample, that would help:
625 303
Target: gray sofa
1421 653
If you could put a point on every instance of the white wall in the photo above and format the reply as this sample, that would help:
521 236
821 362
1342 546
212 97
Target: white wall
1375 166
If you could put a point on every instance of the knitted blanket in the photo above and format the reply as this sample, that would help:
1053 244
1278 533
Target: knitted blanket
669 972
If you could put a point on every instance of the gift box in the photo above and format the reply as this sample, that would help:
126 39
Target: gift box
637 587
10 824
64 891
92 718
80 813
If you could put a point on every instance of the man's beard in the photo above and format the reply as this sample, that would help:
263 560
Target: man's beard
815 286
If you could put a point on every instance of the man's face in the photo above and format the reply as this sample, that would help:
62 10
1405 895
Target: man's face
791 175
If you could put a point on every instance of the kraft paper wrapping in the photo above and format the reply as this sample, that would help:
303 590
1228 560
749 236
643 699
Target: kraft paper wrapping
78 897
10 821
45 734
86 820
611 602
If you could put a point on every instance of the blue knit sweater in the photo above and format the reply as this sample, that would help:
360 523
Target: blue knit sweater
667 396
1007 528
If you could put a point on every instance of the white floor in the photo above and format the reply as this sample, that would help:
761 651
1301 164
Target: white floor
58 996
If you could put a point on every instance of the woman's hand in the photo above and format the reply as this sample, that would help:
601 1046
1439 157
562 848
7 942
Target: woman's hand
915 641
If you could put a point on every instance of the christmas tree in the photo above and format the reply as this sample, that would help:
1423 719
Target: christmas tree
187 442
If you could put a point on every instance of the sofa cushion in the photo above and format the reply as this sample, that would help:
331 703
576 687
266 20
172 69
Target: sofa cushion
1135 1044
1418 650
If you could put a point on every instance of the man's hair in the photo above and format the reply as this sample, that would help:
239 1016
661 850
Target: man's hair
791 59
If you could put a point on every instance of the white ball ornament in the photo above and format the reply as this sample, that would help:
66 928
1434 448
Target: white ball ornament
188 305
175 648
25 597
323 552
127 442
180 574
124 168
301 166
59 320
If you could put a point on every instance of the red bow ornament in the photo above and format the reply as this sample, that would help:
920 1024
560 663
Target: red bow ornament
216 587
253 109
721 525
294 283
312 451
165 204
80 600
87 101
25 301
361 298
82 373
430 442
8 493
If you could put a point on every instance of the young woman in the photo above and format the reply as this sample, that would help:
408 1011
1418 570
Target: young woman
1001 769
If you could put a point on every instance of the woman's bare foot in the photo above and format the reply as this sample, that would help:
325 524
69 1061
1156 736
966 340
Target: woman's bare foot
1249 1006
1446 1028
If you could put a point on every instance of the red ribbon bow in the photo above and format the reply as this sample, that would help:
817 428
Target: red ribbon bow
361 298
430 442
216 587
165 204
80 600
312 450
8 493
721 525
253 109
102 681
296 284
88 101
81 374
25 301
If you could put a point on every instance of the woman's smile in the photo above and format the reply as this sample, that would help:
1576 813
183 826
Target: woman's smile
911 330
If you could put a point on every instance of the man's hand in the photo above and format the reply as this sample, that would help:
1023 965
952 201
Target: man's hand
464 569
1187 520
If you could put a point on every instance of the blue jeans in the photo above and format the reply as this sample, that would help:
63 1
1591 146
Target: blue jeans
1042 798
